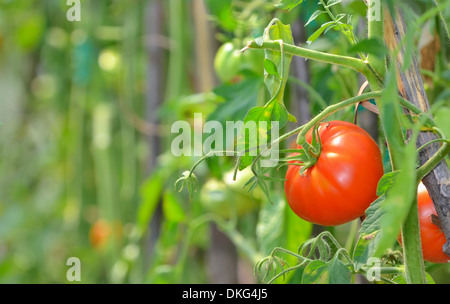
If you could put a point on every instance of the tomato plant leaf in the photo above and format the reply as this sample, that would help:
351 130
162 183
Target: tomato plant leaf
314 16
270 224
315 273
172 209
150 193
333 2
277 31
260 120
258 123
365 249
187 179
339 273
372 46
297 230
321 272
386 182
319 31
402 280
369 234
398 199
400 196
373 215
271 68
288 4
238 98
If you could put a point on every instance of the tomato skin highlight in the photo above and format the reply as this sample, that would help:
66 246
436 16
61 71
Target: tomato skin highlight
431 236
343 182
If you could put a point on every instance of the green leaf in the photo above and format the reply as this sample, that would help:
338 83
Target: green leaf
314 16
372 46
400 196
277 31
239 98
319 31
315 273
187 179
172 209
333 2
339 273
271 68
273 111
398 199
222 13
369 234
386 182
150 192
373 215
402 279
29 32
288 4
441 119
275 77
296 230
270 224
365 249
292 118
321 272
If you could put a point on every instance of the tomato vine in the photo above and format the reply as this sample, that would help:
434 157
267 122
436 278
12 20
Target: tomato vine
395 209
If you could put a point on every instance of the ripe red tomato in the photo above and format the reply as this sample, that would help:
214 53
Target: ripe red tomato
431 236
342 184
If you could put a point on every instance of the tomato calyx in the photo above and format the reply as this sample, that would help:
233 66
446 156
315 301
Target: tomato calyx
309 153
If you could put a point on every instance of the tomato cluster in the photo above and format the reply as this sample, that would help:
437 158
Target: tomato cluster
342 184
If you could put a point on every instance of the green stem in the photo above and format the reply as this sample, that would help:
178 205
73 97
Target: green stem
332 109
433 161
344 61
431 142
375 64
412 247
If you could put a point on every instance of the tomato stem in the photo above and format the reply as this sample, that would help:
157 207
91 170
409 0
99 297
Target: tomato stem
433 161
290 49
412 247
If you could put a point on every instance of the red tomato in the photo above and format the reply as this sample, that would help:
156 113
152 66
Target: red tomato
431 236
99 233
102 231
343 182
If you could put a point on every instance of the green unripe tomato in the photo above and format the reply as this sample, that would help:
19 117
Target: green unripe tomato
242 177
216 197
227 62
253 60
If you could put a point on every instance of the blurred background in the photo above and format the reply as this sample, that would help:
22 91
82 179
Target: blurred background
86 109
